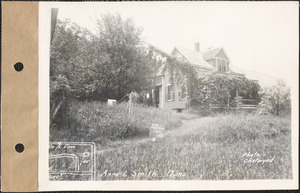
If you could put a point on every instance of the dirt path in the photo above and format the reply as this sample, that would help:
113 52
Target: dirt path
189 122
197 122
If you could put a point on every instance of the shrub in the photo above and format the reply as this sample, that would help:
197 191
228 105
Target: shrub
276 99
219 89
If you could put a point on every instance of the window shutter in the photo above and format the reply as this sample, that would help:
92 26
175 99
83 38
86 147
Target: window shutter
173 92
166 93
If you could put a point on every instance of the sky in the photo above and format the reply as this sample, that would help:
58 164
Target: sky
259 36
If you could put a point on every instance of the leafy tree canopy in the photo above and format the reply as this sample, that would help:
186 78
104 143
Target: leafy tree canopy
276 99
96 66
109 64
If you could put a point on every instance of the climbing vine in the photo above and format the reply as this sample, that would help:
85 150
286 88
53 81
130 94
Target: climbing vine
206 88
222 89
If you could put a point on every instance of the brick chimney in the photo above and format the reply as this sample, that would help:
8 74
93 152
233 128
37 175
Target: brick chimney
197 46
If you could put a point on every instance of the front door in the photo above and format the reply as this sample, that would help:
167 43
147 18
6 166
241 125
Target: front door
156 96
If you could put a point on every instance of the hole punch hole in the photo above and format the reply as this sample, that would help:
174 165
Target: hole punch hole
19 66
19 147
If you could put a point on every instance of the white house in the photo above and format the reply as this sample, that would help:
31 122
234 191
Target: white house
168 94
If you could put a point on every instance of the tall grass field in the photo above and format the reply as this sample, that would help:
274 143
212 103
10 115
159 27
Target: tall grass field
97 122
225 148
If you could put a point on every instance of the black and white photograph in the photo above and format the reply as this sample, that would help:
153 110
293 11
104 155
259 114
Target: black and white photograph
172 91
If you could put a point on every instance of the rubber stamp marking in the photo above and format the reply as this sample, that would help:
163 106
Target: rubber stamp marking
71 161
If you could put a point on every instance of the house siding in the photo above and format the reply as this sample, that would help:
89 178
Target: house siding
158 81
161 99
176 102
221 54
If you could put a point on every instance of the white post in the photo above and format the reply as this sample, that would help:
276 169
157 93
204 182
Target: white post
162 92
129 104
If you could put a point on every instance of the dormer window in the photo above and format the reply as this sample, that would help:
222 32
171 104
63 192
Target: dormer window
221 65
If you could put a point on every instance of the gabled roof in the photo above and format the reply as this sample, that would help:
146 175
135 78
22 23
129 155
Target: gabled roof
161 70
211 53
194 57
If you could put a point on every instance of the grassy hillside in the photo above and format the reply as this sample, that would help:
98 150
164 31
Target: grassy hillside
219 149
225 147
99 123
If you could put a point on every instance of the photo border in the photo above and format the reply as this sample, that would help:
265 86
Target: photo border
46 185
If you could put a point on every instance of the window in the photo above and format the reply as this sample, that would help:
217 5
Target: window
170 89
221 65
170 92
183 92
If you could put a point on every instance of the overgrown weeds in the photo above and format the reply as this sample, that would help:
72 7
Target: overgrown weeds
216 150
98 122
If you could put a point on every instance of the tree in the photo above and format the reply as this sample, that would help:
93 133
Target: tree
277 98
64 49
86 66
128 66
